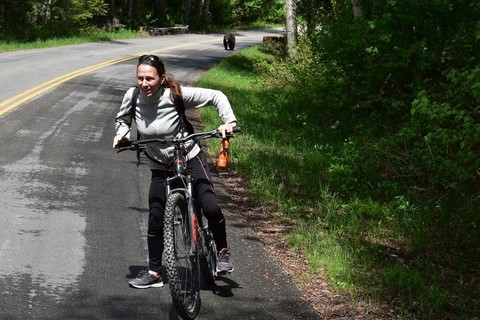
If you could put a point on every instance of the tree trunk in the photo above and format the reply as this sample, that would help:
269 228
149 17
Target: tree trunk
206 9
47 12
312 11
196 12
111 13
291 10
186 11
328 9
161 12
357 8
130 9
8 15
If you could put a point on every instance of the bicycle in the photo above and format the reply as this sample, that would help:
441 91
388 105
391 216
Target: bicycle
189 247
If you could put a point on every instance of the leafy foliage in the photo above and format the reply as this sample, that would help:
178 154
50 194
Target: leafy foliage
31 20
416 64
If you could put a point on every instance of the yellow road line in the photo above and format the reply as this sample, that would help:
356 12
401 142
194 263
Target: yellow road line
31 93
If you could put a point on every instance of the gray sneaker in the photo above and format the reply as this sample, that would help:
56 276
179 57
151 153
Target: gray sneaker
224 261
146 280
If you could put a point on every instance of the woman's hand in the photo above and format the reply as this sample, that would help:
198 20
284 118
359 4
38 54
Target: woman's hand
119 140
227 128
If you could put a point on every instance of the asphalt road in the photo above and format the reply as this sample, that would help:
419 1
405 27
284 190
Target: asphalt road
73 212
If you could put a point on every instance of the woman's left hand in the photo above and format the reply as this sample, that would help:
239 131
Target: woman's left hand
227 128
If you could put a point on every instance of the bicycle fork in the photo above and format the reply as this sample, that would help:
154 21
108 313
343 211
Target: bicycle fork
191 216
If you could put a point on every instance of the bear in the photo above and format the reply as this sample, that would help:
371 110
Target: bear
229 41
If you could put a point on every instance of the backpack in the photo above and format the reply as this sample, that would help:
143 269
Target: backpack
179 105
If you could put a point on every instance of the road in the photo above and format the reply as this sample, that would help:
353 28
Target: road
73 212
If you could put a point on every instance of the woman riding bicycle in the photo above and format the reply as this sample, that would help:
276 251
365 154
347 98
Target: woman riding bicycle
157 116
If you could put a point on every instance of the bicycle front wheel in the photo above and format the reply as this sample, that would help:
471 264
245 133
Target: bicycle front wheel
181 261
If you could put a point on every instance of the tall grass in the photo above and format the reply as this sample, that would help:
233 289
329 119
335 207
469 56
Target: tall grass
56 42
294 158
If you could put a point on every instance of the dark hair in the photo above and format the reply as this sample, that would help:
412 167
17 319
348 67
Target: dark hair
154 61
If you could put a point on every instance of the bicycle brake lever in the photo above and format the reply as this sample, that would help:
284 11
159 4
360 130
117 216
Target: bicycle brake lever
124 149
133 145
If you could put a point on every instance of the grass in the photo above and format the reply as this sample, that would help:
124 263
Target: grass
392 253
56 42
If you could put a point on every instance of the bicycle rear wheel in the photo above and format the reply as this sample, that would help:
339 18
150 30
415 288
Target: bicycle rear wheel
181 263
207 255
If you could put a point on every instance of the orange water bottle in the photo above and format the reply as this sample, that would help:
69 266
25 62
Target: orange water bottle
223 156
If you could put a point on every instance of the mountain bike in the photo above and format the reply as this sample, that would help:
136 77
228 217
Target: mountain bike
189 246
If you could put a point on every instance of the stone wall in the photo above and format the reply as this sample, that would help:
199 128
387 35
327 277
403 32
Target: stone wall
154 31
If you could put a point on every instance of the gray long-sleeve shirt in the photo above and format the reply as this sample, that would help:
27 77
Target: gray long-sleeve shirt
157 117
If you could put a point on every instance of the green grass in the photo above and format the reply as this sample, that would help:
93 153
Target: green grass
388 252
94 37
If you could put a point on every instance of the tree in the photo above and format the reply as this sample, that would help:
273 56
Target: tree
198 13
291 17
357 8
161 12
82 11
111 12
130 9
16 19
315 13
28 20
186 11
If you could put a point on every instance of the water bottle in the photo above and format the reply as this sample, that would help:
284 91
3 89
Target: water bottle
223 156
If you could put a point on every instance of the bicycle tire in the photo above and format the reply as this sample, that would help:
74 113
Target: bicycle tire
182 266
207 254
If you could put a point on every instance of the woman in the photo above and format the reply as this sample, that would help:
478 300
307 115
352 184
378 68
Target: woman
156 116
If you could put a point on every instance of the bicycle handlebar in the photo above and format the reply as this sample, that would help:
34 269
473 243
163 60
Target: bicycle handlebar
142 144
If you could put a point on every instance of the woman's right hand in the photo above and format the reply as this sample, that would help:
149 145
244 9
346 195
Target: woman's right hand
119 140
227 128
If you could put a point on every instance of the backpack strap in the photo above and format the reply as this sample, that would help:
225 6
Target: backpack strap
136 92
133 110
180 105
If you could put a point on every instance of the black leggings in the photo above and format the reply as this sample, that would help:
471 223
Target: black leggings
204 194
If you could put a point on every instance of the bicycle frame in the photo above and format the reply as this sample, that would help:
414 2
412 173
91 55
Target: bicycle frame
180 199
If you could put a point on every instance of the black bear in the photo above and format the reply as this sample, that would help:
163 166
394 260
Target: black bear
229 41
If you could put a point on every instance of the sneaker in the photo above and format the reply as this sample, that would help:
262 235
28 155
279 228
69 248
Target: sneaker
224 261
146 280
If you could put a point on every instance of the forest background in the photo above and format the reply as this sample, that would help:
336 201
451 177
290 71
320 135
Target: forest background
375 165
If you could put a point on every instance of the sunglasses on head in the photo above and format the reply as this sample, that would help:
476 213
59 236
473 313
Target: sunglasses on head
148 58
